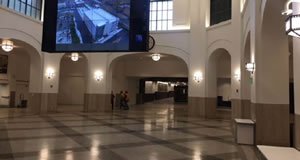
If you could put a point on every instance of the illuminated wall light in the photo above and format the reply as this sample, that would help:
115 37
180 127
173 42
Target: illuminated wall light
250 67
198 77
7 45
237 75
156 57
98 75
50 73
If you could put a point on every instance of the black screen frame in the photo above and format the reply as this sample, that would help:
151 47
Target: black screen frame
139 25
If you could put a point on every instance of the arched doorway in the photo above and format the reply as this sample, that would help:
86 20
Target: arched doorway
72 84
145 79
219 82
20 76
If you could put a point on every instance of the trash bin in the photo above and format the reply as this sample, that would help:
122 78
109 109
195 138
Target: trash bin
23 103
245 131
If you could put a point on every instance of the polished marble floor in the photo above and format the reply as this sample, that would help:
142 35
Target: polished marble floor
154 131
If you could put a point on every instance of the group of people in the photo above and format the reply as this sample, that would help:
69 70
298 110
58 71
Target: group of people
123 100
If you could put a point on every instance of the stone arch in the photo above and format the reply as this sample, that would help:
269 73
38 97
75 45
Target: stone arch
177 52
72 83
219 81
35 79
113 79
33 47
36 63
212 70
10 33
221 43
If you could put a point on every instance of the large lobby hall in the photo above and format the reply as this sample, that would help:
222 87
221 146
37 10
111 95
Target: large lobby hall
149 80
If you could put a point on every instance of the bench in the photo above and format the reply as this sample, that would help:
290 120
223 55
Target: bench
279 153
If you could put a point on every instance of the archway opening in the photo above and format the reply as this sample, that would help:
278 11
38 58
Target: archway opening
72 84
20 75
149 81
220 82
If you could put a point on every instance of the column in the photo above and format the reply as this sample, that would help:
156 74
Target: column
97 97
237 103
198 103
51 71
271 79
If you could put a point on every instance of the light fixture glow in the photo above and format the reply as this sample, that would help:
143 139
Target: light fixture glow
98 76
7 45
250 67
198 77
156 57
75 57
50 73
237 75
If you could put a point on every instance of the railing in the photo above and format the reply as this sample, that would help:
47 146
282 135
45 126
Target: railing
30 8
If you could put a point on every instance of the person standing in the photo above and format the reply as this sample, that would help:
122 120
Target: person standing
112 100
121 99
126 100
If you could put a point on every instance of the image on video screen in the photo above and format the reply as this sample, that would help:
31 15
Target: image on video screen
103 23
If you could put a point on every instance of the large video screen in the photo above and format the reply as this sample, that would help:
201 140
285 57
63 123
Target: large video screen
96 25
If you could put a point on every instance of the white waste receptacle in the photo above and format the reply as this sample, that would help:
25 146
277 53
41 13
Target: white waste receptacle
245 131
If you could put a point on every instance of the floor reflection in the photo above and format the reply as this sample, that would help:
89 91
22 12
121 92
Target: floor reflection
154 131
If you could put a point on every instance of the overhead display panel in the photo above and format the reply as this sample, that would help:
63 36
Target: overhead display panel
96 25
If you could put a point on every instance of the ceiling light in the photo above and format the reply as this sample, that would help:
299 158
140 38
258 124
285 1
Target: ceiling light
75 57
292 25
7 45
287 10
156 57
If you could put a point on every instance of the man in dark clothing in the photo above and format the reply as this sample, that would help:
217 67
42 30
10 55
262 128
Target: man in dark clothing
121 99
112 100
126 100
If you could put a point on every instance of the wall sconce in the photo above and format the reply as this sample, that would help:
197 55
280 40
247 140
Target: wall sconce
50 73
250 67
98 76
237 75
198 77
7 45
292 23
